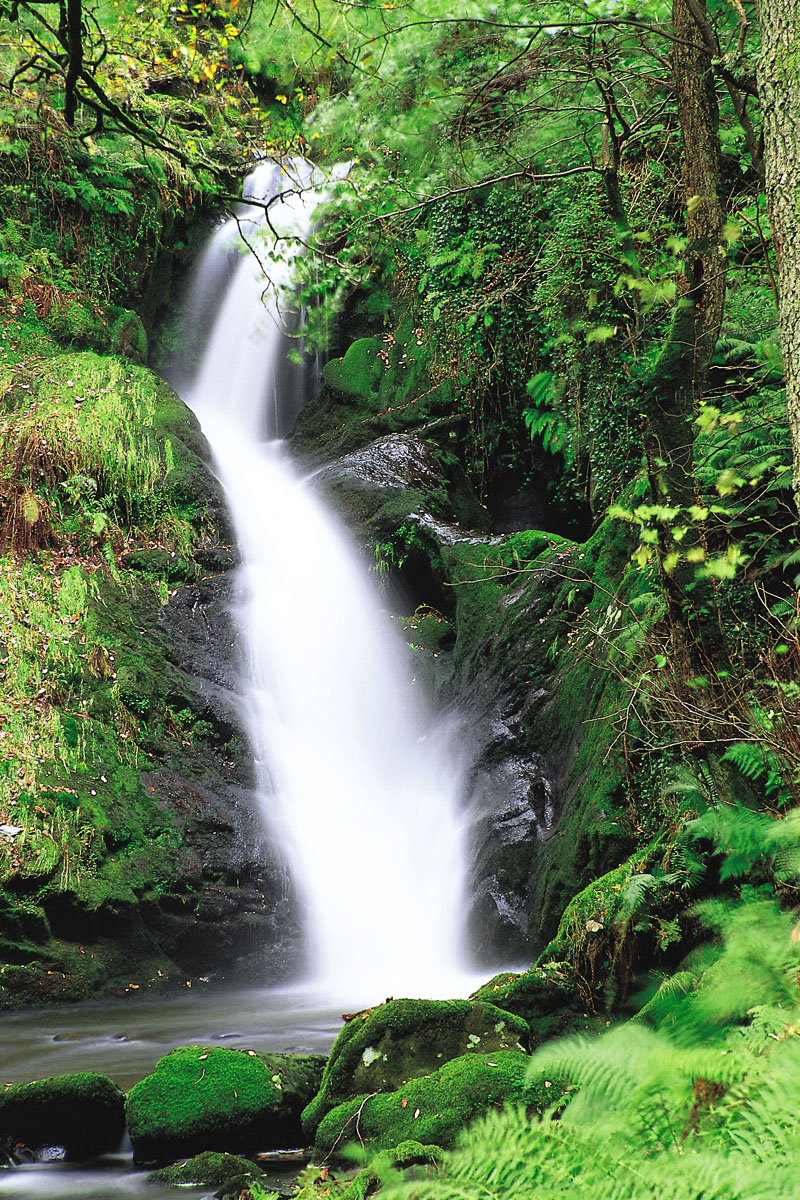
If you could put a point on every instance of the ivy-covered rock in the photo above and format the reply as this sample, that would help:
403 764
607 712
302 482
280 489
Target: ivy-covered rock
234 1101
384 1047
431 1110
81 1113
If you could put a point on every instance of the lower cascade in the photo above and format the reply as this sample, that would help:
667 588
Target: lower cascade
359 784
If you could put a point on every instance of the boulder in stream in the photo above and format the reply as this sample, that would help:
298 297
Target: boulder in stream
382 1048
81 1113
434 1109
235 1101
209 1169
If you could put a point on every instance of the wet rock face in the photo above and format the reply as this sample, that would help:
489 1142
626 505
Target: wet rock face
401 461
239 906
511 804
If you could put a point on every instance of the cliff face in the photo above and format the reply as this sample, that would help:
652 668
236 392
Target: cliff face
134 846
132 849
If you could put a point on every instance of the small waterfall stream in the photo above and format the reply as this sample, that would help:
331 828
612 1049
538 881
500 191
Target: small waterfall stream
359 783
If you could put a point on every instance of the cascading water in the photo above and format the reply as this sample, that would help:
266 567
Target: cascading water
358 782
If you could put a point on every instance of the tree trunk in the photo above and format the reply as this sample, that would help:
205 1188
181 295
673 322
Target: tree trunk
676 384
779 89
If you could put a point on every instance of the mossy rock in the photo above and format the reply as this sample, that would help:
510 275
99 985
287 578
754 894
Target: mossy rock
431 1110
356 377
236 1101
596 934
532 994
380 385
209 1169
83 1113
384 1047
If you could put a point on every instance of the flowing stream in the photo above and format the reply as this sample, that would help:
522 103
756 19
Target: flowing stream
360 785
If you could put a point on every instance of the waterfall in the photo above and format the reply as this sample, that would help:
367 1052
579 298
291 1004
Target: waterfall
359 783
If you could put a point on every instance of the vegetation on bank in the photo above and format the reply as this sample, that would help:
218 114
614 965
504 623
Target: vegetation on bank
552 257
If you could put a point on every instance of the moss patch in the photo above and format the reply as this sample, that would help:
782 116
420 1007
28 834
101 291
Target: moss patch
532 994
432 1110
380 385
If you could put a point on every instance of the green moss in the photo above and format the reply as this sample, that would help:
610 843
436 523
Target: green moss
532 994
210 1169
602 926
81 1112
381 385
200 1098
403 1039
356 377
432 1110
88 686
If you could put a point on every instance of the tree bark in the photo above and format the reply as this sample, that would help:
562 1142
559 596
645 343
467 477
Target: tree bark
779 89
676 384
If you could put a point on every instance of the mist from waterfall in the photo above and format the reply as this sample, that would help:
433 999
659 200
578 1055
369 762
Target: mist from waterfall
360 784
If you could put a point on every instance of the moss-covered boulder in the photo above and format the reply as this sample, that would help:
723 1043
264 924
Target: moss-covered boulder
236 1101
384 1047
380 385
535 994
83 1113
431 1110
209 1169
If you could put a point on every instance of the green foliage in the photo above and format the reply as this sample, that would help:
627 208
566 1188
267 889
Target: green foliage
696 1097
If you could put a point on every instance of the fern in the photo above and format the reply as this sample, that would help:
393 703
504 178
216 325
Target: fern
544 420
699 1103
750 840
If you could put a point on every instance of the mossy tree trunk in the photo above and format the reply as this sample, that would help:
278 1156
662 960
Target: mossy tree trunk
779 89
674 388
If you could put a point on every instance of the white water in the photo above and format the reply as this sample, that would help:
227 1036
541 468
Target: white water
359 783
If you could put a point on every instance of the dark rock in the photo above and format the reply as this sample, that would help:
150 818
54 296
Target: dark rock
83 1113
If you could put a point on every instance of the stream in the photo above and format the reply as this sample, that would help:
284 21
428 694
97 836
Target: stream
124 1038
